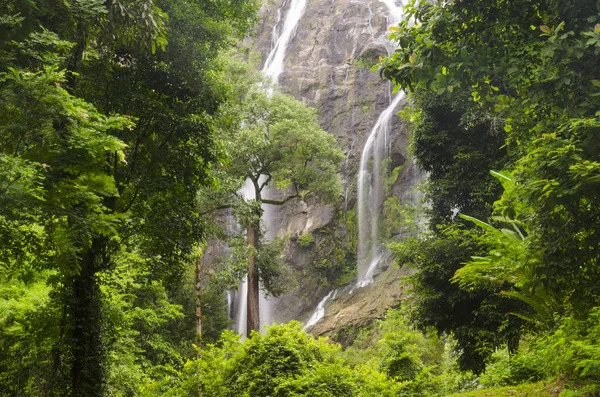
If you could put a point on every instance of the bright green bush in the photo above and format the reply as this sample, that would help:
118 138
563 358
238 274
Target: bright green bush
305 240
28 331
506 370
401 364
283 362
573 350
571 353
412 363
322 380
285 359
540 389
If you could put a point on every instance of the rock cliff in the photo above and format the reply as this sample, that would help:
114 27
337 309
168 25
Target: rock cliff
327 65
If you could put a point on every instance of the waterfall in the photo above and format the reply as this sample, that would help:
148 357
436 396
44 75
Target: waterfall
320 311
241 297
396 11
371 192
230 306
274 65
371 178
264 304
241 307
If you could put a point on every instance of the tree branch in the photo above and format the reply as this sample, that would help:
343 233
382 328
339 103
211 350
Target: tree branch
265 183
10 184
279 202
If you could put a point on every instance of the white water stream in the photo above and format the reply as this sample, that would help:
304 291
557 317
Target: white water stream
396 11
241 307
371 193
274 65
320 311
371 176
370 184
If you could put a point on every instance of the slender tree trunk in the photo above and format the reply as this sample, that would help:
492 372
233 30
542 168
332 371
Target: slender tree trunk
253 311
74 64
198 289
85 312
253 315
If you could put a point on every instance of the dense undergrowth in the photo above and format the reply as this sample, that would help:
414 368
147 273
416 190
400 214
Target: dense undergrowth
389 359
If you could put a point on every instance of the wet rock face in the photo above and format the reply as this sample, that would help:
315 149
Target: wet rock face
328 60
327 65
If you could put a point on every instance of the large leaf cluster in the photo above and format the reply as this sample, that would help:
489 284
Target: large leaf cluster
529 68
533 66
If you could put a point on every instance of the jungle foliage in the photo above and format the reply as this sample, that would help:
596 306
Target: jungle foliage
519 81
285 361
126 125
107 130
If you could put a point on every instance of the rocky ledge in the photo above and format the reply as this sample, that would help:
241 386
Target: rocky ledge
348 313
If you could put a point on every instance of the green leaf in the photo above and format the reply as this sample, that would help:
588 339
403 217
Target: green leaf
502 175
523 317
479 223
540 307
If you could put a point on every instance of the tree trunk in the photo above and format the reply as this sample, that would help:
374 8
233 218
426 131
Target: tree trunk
74 64
198 289
253 315
85 310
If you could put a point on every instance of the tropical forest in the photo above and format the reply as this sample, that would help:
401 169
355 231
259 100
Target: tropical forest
285 198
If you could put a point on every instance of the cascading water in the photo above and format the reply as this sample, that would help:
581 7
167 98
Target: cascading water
370 184
371 179
241 307
230 306
241 301
371 193
396 11
274 65
320 311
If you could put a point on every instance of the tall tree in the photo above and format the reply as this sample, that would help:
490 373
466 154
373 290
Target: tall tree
457 144
86 183
276 141
531 67
281 143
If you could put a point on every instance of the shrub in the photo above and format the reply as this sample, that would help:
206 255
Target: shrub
285 361
573 350
506 370
305 240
